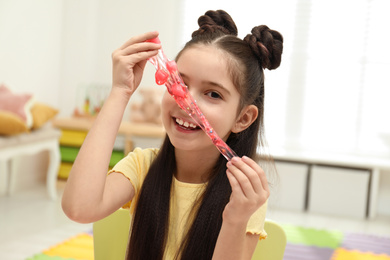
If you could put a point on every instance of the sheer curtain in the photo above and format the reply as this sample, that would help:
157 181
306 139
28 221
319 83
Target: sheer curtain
332 91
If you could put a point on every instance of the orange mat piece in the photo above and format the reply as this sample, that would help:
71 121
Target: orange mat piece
79 247
343 254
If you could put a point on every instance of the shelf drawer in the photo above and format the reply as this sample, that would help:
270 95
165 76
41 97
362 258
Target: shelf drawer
72 138
68 154
289 190
116 156
339 191
63 172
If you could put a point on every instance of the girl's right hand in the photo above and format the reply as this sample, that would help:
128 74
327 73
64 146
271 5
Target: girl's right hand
130 59
250 189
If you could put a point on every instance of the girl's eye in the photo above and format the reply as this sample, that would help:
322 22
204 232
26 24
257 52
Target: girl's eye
214 95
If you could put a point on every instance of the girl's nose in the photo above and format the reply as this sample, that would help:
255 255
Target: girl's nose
193 93
197 96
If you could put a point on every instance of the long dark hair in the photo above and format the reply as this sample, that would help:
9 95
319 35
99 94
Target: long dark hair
246 60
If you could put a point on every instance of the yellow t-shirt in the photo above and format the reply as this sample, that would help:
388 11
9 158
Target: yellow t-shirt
135 166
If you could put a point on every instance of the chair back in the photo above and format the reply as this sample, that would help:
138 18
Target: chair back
111 234
271 248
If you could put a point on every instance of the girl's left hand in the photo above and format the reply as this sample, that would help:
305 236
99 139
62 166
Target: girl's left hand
249 190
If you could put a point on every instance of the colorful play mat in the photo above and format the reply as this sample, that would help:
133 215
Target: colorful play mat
313 244
302 244
79 247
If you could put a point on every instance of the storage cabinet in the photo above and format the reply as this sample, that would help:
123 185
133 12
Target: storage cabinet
70 143
289 189
338 191
325 189
74 131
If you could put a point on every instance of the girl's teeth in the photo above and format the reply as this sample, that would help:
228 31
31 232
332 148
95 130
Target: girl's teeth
185 124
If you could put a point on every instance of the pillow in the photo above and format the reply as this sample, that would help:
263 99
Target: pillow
10 124
19 104
42 113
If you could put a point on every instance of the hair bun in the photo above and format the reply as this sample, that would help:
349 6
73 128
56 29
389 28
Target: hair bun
267 45
213 21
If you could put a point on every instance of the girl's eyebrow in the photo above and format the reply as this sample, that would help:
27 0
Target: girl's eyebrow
215 84
183 75
207 82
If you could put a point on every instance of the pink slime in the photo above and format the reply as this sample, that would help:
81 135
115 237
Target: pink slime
166 73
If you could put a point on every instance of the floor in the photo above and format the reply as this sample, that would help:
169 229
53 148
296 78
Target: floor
30 223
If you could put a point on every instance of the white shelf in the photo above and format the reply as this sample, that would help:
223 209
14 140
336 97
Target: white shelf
372 165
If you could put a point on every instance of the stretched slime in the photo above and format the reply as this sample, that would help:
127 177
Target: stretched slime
167 73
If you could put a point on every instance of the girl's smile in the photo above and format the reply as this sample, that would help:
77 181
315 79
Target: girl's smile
185 125
185 192
204 71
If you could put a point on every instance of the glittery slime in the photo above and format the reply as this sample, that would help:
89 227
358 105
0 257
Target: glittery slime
167 73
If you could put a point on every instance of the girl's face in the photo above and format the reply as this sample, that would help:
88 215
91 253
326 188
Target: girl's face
205 72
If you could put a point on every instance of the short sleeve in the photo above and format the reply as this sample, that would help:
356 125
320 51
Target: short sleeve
256 222
135 166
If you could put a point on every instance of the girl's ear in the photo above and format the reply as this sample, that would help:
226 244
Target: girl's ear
247 116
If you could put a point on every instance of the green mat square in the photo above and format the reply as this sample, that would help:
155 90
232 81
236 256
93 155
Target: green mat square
47 257
313 237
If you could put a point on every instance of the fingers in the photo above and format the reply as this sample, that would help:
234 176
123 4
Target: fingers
134 54
140 47
137 48
249 189
259 171
249 176
233 182
130 59
139 38
247 182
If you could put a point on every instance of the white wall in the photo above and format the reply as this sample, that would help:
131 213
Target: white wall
30 47
93 29
52 48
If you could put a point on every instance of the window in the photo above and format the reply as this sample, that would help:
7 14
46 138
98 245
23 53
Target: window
331 92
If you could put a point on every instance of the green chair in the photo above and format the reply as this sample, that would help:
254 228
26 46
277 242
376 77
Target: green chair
271 248
110 237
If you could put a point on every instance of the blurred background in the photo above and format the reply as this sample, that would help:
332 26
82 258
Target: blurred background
329 96
330 93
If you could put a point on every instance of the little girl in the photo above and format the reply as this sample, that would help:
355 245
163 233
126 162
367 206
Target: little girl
186 201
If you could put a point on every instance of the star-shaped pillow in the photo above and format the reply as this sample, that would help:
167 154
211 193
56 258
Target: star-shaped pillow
17 104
